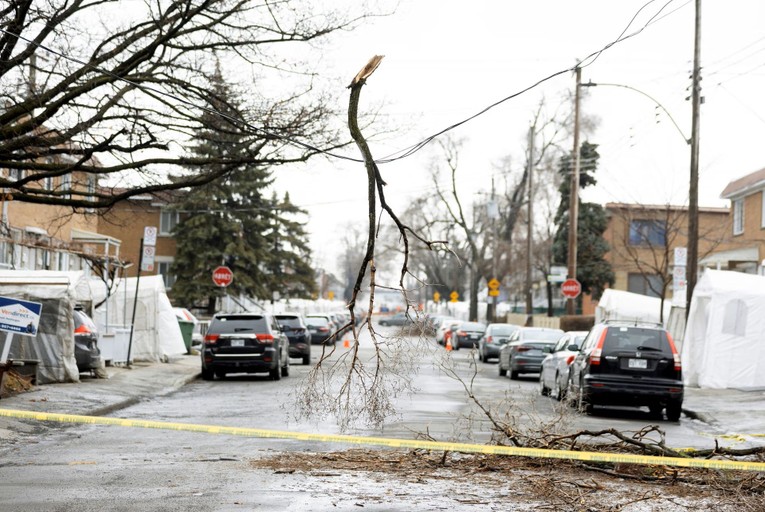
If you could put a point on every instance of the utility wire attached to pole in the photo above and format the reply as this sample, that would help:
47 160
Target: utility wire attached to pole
693 192
573 215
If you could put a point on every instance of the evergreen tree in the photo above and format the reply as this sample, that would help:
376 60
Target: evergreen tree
592 270
227 221
290 266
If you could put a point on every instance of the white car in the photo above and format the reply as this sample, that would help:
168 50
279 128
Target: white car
553 378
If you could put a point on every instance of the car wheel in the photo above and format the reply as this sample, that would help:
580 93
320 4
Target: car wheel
570 399
674 408
543 390
306 359
502 370
655 410
276 372
207 374
556 391
513 374
582 403
220 374
480 356
286 369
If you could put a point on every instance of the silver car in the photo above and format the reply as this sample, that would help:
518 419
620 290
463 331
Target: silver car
553 378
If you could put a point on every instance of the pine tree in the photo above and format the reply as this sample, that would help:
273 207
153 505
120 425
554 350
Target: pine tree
592 270
225 222
291 272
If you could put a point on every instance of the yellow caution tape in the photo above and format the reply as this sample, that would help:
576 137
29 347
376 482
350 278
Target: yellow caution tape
393 443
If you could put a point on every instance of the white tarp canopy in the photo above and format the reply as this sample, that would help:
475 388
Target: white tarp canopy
621 305
156 334
53 346
723 346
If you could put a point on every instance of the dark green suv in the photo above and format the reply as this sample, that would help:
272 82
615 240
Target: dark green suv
628 364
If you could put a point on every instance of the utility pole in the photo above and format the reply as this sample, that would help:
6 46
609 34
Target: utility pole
573 215
529 227
693 192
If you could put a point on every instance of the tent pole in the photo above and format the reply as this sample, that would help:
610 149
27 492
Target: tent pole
135 301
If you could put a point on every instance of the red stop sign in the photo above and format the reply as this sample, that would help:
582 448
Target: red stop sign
222 276
571 288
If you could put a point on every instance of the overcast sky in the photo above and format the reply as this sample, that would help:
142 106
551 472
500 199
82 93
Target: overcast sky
446 60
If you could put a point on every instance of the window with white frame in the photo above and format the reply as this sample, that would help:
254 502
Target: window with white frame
66 185
738 216
167 221
163 268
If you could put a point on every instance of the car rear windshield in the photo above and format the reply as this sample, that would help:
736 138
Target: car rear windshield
239 323
289 321
503 330
636 338
541 335
473 326
316 321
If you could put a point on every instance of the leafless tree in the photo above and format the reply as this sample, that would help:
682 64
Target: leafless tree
93 95
647 237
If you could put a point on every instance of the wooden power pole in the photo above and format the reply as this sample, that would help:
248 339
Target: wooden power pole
573 215
693 191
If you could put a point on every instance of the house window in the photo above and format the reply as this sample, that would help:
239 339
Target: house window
648 232
738 216
645 284
167 222
762 210
163 268
66 185
91 191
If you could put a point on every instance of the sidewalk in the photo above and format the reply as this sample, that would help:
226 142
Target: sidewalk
96 397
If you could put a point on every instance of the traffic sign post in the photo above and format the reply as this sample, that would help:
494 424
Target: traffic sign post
222 276
571 288
454 296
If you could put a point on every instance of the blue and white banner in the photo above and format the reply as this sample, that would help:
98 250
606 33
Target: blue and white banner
19 316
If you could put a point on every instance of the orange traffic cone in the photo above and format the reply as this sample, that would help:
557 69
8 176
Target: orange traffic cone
448 344
346 343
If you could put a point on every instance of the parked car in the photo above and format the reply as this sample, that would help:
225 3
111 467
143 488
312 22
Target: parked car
86 351
322 329
553 378
468 334
399 319
297 333
628 363
524 352
245 343
492 340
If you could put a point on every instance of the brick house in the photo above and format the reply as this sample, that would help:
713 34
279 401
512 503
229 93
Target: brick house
746 253
643 238
126 221
45 237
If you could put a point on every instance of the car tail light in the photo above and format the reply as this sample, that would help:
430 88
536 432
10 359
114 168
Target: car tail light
461 333
570 359
322 329
211 339
523 348
675 354
598 350
489 339
82 329
265 338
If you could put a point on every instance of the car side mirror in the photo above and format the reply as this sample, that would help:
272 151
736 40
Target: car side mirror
547 350
573 347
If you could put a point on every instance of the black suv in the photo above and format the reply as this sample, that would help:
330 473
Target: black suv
245 343
628 363
300 339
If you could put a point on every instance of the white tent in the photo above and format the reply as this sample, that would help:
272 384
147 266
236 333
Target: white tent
621 305
53 346
156 334
723 345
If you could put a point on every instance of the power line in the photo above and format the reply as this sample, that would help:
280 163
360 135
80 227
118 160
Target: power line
398 155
